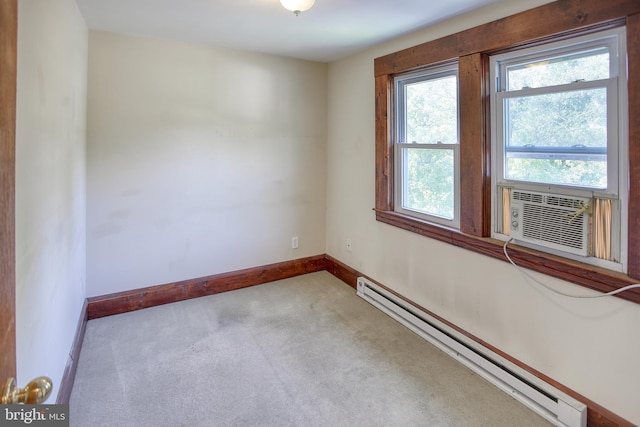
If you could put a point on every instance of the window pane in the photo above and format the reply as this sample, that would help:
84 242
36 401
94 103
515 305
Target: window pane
580 173
429 186
585 66
557 138
431 108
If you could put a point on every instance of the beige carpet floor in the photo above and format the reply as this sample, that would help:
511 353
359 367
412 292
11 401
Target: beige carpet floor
304 351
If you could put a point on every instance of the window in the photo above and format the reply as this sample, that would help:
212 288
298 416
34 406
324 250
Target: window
590 161
426 145
559 127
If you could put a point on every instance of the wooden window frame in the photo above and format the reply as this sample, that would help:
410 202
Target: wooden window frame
472 48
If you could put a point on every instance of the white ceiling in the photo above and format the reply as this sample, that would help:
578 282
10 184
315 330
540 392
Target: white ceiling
331 30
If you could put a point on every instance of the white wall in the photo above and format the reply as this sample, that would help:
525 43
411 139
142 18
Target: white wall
591 346
200 161
50 185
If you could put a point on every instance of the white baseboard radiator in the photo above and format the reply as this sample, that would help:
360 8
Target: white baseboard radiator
547 401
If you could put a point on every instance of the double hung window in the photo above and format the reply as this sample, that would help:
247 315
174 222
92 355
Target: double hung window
427 145
559 126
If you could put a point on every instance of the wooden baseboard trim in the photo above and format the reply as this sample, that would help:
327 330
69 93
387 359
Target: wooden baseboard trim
597 416
122 302
69 375
342 271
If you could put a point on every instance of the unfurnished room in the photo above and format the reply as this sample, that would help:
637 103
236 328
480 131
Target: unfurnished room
320 212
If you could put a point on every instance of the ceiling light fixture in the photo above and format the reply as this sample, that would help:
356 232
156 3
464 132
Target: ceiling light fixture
297 6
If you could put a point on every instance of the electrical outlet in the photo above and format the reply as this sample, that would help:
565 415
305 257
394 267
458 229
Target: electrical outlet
294 242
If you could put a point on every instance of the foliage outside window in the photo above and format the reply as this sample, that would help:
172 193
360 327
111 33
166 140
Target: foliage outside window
557 113
427 144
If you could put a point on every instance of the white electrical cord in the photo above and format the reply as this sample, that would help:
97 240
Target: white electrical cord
527 276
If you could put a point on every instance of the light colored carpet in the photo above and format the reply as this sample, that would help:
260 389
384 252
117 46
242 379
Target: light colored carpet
298 352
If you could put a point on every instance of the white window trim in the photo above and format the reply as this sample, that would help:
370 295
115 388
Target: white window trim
611 85
618 184
399 147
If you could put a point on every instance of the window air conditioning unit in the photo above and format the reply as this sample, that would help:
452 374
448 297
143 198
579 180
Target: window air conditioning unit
551 220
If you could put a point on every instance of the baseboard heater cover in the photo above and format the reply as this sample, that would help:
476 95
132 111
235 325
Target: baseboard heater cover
544 399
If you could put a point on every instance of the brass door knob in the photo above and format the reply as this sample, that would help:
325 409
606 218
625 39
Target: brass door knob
37 391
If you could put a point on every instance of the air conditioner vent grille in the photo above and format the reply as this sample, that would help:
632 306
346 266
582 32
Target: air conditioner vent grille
527 197
551 220
550 225
564 202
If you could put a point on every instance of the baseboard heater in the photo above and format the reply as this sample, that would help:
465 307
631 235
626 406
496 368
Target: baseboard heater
547 401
